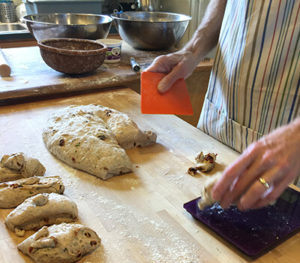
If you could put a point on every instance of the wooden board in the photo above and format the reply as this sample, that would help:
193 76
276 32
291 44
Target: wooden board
139 216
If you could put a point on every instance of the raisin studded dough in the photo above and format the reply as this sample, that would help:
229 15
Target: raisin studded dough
40 210
18 165
91 137
15 192
61 243
206 197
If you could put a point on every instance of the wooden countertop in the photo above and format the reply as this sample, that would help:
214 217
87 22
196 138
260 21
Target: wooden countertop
139 216
32 78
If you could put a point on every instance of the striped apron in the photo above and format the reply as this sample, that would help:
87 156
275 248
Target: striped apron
254 83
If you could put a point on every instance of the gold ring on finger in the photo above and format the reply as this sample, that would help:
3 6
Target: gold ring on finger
264 182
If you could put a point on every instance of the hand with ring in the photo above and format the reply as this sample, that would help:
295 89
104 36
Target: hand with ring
263 171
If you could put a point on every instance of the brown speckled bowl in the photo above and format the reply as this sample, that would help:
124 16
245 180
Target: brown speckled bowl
71 55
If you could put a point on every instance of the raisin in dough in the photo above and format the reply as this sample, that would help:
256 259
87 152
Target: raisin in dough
15 192
61 243
40 210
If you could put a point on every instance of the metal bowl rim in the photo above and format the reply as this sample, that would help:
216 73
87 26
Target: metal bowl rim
115 16
25 19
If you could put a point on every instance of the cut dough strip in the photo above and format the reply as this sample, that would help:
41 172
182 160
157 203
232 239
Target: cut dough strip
61 243
40 210
18 165
15 192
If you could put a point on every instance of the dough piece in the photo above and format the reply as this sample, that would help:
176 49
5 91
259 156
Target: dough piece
88 138
205 163
9 175
15 192
206 198
61 243
126 131
18 165
40 210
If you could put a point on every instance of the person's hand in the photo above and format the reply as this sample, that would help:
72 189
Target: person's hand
274 158
177 65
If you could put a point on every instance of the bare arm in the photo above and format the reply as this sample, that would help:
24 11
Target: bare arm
207 33
182 63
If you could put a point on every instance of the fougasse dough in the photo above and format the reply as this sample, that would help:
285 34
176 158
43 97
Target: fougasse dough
15 192
40 210
92 138
61 243
18 165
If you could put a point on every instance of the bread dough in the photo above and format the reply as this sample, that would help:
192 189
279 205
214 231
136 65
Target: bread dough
89 138
9 175
40 210
61 243
125 130
206 197
18 165
15 192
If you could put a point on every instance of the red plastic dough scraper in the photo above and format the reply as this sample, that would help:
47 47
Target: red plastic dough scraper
174 101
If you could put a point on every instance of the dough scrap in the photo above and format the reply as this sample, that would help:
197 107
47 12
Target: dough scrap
205 163
206 197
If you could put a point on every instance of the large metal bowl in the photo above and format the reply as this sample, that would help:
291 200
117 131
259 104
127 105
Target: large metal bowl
68 25
151 30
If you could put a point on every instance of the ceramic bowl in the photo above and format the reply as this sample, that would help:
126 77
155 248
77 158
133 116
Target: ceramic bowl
72 56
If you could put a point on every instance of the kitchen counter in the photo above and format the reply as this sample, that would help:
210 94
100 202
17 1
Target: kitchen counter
32 78
14 31
139 216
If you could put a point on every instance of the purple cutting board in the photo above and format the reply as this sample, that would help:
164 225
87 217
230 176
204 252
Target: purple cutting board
254 232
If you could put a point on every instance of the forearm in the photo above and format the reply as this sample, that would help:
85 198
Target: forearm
206 36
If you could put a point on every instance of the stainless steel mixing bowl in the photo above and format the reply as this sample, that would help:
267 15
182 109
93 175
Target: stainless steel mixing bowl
68 25
151 30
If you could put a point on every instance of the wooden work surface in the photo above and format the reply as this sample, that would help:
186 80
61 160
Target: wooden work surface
32 78
139 216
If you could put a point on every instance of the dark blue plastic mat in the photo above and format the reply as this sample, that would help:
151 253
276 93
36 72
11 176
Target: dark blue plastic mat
254 232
